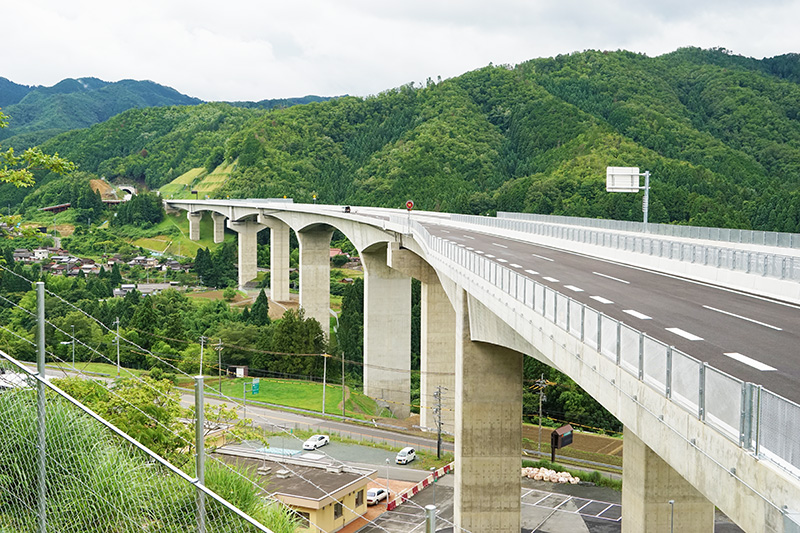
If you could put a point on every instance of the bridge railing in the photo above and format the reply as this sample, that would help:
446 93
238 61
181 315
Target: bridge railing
758 420
770 265
766 238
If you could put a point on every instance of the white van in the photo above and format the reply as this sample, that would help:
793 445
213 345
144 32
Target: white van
405 456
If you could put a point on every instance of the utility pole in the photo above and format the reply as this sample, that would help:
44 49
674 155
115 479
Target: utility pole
117 323
438 412
324 379
343 398
539 386
219 364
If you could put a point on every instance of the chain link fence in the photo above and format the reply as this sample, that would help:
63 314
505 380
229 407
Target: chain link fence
63 469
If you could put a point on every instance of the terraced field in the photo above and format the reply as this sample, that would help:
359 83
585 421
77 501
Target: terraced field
197 179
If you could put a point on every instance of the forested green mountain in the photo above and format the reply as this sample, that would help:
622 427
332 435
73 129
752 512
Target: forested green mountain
719 133
38 113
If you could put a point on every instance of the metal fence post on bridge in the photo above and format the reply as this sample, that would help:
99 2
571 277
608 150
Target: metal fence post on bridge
668 384
701 397
641 355
41 407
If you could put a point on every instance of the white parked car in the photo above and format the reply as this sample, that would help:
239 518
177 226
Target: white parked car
315 442
376 495
405 456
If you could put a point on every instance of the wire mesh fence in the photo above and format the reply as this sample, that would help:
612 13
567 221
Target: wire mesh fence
770 265
63 469
767 238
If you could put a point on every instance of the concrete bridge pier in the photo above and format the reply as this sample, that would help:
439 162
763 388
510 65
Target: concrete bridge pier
278 258
219 226
315 274
488 439
437 339
387 332
194 225
648 484
247 231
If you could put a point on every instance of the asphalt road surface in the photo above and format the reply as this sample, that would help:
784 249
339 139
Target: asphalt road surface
701 320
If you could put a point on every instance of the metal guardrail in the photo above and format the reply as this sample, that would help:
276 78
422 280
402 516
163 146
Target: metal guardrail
742 236
758 420
764 264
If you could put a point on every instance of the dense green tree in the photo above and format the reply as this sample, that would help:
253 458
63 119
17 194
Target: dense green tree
143 209
259 313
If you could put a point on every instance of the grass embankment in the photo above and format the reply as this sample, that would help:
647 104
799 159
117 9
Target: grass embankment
181 187
297 394
171 236
197 179
100 369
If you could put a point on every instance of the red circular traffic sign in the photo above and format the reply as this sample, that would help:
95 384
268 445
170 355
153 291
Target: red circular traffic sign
409 205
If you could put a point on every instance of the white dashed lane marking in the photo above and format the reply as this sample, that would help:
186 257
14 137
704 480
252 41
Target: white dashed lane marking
553 280
758 365
611 277
468 237
601 299
543 257
685 334
501 260
743 318
516 265
490 256
573 288
637 314
531 272
500 245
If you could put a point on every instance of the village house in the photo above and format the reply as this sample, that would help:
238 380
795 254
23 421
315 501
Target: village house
327 496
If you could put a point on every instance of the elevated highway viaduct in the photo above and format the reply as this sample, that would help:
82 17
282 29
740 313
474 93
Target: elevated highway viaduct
691 344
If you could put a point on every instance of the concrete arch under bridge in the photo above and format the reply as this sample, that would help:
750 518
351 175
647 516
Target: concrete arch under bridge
675 462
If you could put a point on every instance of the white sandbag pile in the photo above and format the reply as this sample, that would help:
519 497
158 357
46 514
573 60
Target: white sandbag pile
545 474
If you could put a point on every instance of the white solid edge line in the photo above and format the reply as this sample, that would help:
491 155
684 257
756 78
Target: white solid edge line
743 318
758 365
685 334
637 314
601 299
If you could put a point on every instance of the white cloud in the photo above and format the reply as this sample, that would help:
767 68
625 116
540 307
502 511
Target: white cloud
251 50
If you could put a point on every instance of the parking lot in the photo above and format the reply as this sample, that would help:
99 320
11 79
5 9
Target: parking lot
545 507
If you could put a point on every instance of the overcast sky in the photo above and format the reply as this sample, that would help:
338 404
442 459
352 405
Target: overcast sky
253 50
